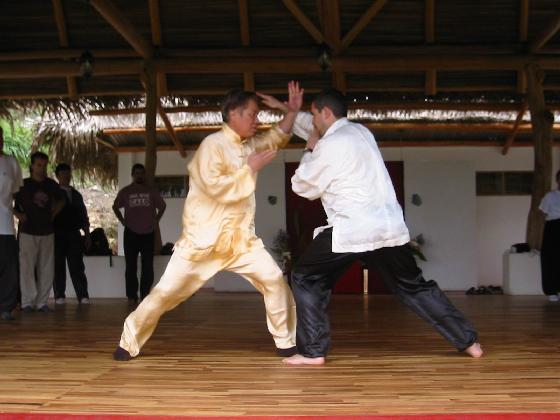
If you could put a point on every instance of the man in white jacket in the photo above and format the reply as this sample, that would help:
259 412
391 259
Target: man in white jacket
343 167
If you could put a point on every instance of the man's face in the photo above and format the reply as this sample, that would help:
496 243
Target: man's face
64 178
39 168
139 176
243 120
319 120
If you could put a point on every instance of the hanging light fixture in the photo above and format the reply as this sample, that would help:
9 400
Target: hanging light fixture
87 63
324 57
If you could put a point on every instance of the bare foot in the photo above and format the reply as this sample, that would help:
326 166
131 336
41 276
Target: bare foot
298 360
474 351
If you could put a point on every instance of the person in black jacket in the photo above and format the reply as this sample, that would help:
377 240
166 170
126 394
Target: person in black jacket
69 245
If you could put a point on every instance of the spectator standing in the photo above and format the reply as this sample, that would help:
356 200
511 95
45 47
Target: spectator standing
143 208
68 242
37 204
10 182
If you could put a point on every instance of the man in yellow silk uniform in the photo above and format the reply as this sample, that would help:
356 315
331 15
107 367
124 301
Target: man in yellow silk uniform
218 225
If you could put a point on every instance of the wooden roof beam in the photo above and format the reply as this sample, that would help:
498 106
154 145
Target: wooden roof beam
523 34
155 25
278 65
430 85
311 29
515 129
379 106
123 26
376 126
248 77
364 20
171 131
475 142
548 32
63 42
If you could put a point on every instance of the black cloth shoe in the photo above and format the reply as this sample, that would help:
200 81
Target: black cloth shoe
28 309
287 352
7 316
121 355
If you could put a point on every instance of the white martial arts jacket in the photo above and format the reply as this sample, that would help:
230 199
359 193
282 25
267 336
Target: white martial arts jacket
346 171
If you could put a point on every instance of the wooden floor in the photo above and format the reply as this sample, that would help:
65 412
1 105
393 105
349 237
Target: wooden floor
213 356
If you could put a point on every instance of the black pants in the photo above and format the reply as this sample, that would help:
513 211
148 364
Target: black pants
318 269
9 274
68 246
134 244
550 257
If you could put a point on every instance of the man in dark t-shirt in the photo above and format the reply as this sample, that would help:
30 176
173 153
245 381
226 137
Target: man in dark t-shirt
37 203
143 208
68 242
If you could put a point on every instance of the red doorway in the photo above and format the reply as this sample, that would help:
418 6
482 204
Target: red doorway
303 216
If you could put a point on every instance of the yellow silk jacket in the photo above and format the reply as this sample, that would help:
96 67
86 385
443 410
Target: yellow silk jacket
219 212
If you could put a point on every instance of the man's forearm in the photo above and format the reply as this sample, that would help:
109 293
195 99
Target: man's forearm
288 122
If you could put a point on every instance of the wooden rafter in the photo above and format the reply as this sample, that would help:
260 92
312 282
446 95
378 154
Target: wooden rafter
523 34
375 126
376 106
429 21
155 25
305 22
64 42
258 52
515 129
329 14
248 77
123 26
430 86
155 22
475 142
548 32
171 131
364 20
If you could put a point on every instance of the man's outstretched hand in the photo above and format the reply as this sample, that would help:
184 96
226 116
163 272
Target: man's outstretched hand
294 103
258 160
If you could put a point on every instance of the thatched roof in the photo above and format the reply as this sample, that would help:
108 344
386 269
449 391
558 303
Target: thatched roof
400 61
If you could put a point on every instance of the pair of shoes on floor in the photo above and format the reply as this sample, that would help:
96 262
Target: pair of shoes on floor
121 355
27 309
7 316
289 352
60 301
553 298
45 309
84 301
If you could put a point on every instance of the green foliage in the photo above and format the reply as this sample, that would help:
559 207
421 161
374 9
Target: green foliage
18 140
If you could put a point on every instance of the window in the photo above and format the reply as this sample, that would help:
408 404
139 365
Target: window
172 186
504 183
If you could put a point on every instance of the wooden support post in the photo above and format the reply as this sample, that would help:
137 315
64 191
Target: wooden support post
515 129
150 161
542 120
152 101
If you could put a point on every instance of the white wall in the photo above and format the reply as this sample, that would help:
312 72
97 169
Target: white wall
446 219
491 225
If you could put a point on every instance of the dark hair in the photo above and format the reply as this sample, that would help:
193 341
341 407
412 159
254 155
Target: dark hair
236 98
1 130
137 166
62 167
558 176
38 155
332 99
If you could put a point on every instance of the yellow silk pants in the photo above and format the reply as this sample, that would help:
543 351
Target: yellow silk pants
183 277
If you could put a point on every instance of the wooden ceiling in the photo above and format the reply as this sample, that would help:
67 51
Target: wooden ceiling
422 47
395 53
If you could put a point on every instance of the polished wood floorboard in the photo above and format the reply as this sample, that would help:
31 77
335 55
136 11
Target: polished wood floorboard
213 356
